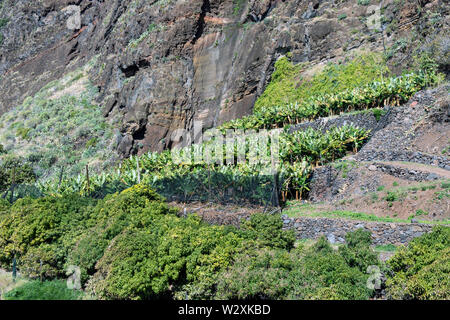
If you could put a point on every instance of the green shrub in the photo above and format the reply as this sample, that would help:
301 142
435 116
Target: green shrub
92 142
22 170
42 230
358 253
420 270
46 290
262 274
170 253
267 229
3 23
315 273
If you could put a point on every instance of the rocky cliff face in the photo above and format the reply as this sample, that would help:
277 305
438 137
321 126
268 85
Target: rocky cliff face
164 64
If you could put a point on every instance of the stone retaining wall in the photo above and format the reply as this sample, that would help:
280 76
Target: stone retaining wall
365 120
407 156
335 229
403 173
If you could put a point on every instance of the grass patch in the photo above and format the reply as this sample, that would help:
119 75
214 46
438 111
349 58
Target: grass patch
46 290
423 186
7 284
310 211
378 113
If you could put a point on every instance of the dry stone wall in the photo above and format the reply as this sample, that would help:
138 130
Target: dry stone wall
335 229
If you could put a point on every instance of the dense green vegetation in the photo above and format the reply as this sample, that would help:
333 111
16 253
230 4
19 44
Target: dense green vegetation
420 270
287 86
3 22
132 246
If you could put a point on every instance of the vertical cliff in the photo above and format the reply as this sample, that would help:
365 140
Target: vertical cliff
164 64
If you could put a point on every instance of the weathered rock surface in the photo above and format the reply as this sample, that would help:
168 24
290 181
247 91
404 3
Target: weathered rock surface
162 65
336 229
396 141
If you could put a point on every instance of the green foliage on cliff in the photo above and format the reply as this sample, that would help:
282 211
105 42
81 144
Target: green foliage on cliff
41 229
60 126
287 84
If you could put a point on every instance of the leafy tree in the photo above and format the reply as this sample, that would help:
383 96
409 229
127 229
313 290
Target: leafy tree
420 270
357 252
23 172
268 230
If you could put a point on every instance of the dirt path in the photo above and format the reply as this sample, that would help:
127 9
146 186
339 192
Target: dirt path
415 166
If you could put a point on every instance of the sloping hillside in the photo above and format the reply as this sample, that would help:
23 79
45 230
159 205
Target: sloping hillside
328 163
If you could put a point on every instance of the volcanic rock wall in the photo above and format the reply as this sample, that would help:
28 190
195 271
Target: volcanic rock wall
161 65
